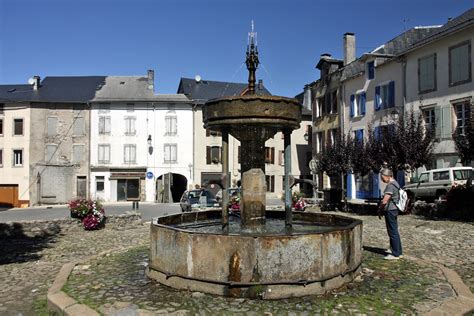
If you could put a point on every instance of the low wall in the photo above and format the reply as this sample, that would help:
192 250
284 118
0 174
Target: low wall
45 228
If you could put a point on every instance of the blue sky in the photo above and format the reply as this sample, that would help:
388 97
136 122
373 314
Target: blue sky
183 38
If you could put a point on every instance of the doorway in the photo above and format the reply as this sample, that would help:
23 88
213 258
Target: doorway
81 187
128 189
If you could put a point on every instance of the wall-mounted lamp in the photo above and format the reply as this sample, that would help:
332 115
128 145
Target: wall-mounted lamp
306 137
149 140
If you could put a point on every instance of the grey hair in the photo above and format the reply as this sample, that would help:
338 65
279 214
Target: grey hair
386 172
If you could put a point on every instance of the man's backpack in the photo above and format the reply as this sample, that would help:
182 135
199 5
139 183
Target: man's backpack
403 200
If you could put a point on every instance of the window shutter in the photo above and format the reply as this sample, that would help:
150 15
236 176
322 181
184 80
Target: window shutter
446 129
280 157
208 155
323 138
377 134
238 154
273 155
351 110
377 98
375 185
391 94
438 123
362 103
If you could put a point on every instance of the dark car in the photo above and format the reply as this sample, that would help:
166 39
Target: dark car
197 198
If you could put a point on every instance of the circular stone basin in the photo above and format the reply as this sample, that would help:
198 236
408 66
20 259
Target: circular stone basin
264 111
189 251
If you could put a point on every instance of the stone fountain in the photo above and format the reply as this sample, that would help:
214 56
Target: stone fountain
266 254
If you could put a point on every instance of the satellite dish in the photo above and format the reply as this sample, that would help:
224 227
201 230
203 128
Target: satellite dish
197 78
31 81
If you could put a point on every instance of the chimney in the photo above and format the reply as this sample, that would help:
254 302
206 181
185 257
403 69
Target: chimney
349 48
36 82
260 84
151 79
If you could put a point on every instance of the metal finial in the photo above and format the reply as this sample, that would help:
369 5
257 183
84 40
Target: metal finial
252 59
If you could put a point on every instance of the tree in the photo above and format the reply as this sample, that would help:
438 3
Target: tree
414 142
464 143
335 158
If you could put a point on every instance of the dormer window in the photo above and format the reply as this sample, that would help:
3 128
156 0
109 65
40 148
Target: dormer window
371 70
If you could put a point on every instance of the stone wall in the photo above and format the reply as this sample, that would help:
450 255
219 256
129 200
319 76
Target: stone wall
10 230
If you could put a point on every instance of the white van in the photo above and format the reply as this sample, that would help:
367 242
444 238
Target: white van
433 184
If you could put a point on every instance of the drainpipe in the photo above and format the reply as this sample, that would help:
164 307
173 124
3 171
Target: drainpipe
89 161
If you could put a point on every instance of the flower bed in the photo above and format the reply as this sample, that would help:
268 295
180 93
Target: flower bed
91 213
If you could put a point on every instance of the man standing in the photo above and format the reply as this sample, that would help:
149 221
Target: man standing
388 206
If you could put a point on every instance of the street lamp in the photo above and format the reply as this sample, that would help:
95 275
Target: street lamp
150 147
306 137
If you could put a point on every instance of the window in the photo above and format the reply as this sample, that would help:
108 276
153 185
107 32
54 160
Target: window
77 154
357 106
427 74
52 124
130 107
281 158
104 153
18 127
212 133
334 102
463 113
1 157
270 155
213 154
462 174
441 175
129 153
359 135
319 107
270 181
130 126
371 70
1 127
423 177
460 64
2 107
99 183
332 136
319 142
429 117
17 157
104 125
385 96
171 125
50 154
170 153
78 126
104 108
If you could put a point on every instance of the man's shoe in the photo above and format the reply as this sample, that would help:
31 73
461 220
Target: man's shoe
389 251
390 257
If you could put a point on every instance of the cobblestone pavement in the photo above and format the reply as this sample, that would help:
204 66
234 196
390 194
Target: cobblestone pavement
28 268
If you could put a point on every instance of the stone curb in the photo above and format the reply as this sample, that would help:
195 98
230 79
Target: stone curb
62 303
462 303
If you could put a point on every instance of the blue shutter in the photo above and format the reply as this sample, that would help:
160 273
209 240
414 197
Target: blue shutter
351 112
377 135
375 185
391 94
377 98
359 134
362 103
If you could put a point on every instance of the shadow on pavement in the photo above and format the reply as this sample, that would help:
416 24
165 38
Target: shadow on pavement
18 246
375 250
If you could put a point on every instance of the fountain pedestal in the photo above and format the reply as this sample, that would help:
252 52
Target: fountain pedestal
253 201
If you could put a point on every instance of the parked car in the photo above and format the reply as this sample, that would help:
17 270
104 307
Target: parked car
197 198
433 184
